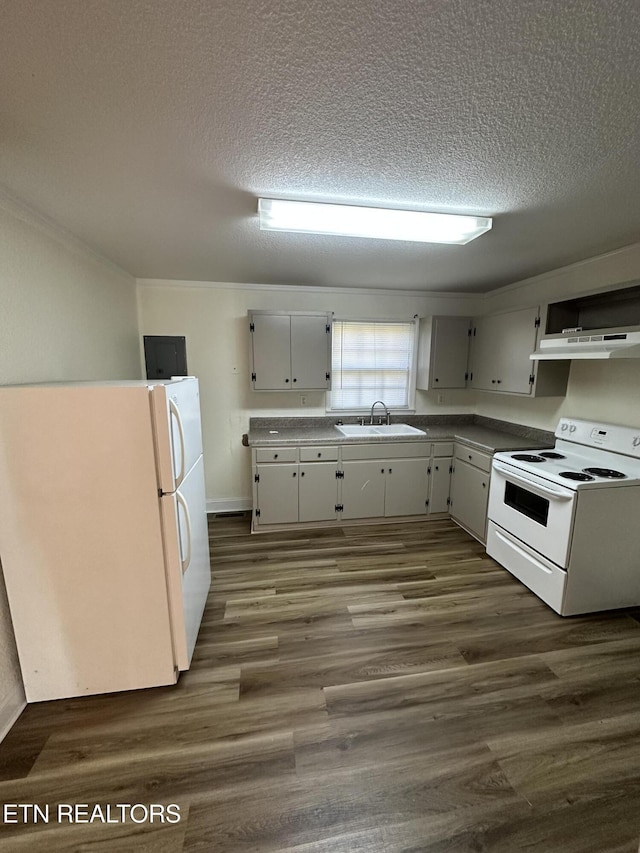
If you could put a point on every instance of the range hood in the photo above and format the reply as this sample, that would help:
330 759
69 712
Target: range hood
595 343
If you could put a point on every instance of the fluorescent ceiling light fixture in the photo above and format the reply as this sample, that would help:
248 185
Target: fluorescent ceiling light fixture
344 220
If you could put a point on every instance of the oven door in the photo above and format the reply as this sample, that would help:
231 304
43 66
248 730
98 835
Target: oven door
534 510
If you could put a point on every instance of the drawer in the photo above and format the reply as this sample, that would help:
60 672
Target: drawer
386 450
443 448
277 454
319 454
543 577
473 457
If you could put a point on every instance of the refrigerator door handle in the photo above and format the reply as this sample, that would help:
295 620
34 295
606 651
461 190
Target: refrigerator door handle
175 411
185 560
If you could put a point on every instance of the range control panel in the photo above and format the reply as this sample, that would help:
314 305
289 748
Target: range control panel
618 439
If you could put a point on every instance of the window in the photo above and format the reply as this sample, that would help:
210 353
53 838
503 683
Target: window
372 360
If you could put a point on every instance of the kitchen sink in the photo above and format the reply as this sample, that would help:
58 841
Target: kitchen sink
379 429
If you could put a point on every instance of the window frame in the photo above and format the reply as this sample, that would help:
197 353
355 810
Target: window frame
412 378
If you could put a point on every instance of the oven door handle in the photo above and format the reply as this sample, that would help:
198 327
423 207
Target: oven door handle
533 484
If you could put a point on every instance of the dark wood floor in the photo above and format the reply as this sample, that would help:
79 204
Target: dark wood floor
382 688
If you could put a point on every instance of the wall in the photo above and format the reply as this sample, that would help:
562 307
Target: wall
214 319
67 314
606 391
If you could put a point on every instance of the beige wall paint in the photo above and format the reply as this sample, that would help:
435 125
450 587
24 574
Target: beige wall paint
606 391
67 314
214 320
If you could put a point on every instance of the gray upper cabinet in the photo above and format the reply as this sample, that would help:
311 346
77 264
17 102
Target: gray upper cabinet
290 351
499 360
443 353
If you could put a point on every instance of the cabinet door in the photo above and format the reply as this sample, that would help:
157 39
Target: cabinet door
362 494
517 335
440 485
500 348
406 486
318 491
271 343
310 352
449 352
469 493
484 354
277 493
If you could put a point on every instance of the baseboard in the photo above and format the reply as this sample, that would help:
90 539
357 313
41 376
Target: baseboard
6 726
228 505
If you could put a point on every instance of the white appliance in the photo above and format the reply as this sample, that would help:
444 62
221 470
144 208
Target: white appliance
593 344
103 532
566 521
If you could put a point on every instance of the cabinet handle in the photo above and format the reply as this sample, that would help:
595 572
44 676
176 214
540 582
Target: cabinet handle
499 381
275 456
294 474
301 474
493 381
484 485
390 470
382 470
470 457
295 380
436 380
319 455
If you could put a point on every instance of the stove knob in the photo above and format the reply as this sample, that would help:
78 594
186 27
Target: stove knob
572 428
636 440
564 427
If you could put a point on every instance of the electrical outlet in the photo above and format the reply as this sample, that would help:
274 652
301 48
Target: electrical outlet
303 399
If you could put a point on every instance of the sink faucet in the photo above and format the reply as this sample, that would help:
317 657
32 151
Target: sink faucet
386 411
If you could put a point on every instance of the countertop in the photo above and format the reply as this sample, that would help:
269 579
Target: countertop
490 436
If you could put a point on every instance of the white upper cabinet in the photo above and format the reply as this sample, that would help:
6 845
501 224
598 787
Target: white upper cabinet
290 351
443 353
499 360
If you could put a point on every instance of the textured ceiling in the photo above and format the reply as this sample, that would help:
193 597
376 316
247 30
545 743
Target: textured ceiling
149 127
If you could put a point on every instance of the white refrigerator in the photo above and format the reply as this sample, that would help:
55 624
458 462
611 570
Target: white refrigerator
103 532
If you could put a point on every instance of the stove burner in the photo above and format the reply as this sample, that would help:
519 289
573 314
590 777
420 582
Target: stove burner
609 473
576 475
527 457
551 454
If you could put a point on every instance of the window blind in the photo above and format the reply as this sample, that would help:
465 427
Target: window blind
372 361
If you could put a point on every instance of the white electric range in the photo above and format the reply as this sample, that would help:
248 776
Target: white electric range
566 521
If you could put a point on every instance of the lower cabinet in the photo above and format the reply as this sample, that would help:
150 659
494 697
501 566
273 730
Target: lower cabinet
406 487
317 491
363 484
470 490
384 487
277 493
303 485
288 492
440 484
